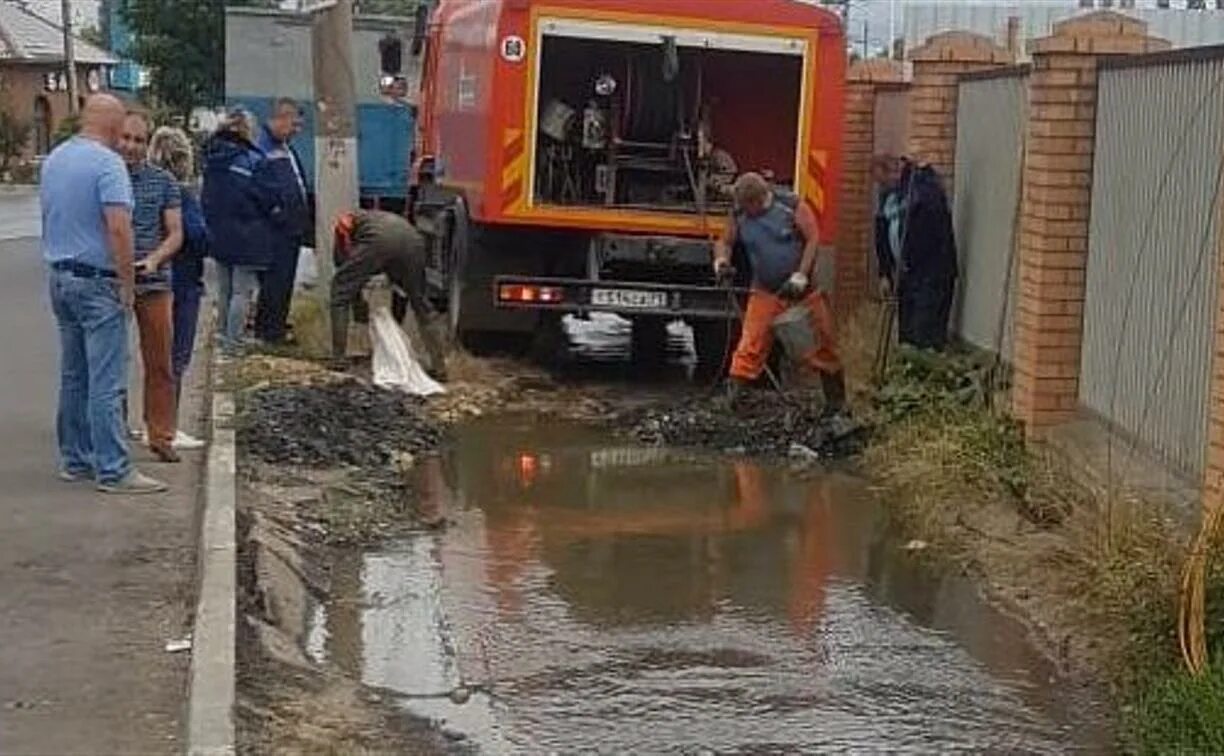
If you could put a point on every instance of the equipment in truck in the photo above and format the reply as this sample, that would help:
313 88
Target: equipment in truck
589 170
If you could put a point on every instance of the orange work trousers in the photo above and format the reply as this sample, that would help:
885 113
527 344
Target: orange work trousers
757 336
155 322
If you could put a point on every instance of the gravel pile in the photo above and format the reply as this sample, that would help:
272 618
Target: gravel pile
764 424
346 423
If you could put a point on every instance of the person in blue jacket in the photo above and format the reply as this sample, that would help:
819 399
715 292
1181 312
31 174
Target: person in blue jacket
292 225
240 204
916 249
171 150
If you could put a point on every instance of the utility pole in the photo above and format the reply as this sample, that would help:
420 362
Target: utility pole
74 105
335 125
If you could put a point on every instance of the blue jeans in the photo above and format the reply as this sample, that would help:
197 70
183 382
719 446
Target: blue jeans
93 376
238 285
186 317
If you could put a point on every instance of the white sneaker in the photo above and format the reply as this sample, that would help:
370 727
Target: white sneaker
134 484
140 435
187 442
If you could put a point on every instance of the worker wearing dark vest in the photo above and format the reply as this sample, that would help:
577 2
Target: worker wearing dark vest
369 243
781 238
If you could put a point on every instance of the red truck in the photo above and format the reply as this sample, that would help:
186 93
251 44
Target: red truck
577 155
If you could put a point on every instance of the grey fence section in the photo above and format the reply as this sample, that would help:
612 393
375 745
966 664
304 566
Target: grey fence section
1152 278
991 118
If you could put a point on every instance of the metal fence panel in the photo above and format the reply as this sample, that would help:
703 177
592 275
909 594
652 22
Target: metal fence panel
991 118
1152 279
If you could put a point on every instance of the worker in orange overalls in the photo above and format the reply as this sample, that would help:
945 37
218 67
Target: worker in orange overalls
781 237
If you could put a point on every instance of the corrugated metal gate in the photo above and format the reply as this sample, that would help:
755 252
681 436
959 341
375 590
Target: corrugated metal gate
991 118
1152 276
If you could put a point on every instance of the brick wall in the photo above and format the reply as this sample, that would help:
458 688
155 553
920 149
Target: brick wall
863 81
21 85
1057 199
938 65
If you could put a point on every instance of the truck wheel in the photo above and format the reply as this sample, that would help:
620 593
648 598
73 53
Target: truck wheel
457 272
648 346
476 255
714 342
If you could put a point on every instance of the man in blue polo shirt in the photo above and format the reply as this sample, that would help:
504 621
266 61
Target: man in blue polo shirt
88 244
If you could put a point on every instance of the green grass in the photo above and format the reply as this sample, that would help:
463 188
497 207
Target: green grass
1180 714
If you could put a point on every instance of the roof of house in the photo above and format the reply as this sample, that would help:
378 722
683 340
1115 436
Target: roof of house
27 37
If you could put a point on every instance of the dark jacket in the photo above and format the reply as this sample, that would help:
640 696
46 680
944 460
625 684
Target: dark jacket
188 264
239 202
286 173
928 248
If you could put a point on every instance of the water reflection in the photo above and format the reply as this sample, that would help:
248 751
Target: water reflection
640 601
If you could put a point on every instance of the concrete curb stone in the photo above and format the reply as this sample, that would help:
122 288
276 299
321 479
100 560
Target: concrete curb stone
211 687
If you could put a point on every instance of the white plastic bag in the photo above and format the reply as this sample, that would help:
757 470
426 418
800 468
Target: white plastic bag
307 269
395 364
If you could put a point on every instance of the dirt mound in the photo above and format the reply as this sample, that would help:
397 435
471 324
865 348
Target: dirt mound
345 423
764 424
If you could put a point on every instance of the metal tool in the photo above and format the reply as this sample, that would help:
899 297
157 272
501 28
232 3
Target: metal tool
883 354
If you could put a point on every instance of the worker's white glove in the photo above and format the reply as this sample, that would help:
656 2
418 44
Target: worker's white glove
796 286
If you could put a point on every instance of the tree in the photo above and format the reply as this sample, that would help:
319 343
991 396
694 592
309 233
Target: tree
14 135
93 35
182 43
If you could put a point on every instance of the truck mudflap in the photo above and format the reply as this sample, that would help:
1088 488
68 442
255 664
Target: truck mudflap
628 298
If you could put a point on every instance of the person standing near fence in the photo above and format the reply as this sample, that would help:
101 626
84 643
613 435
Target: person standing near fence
87 241
157 226
170 149
291 225
915 249
239 204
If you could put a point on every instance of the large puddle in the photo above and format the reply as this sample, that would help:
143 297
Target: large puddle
593 599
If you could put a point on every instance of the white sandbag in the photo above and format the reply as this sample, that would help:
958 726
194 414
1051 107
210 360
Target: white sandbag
307 269
395 364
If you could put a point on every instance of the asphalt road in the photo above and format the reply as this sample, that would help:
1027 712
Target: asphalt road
91 588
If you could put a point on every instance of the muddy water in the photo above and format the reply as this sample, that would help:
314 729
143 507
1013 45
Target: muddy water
595 599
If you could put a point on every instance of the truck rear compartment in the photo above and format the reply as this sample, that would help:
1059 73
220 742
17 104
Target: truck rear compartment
661 126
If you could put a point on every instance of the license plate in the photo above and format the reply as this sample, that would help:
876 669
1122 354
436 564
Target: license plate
631 299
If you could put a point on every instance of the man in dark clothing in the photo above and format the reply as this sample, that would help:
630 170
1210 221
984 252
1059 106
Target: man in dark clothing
292 224
916 249
369 243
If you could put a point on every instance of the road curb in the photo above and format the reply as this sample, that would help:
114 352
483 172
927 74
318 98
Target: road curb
211 687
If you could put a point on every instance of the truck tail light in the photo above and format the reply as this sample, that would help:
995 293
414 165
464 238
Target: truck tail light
526 293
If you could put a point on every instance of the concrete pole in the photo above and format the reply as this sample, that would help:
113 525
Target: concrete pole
74 105
335 127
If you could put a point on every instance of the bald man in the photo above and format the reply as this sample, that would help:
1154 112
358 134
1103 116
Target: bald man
88 243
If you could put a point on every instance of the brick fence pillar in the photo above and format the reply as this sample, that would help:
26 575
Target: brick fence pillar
1061 140
854 238
938 65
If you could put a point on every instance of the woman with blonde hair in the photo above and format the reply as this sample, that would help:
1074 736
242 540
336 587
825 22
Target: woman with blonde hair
171 150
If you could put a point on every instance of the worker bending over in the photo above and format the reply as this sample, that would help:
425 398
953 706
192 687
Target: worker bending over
780 236
369 243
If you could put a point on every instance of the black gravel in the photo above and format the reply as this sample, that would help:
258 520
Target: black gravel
347 423
763 424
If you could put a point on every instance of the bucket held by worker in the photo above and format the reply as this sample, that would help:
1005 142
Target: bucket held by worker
793 330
